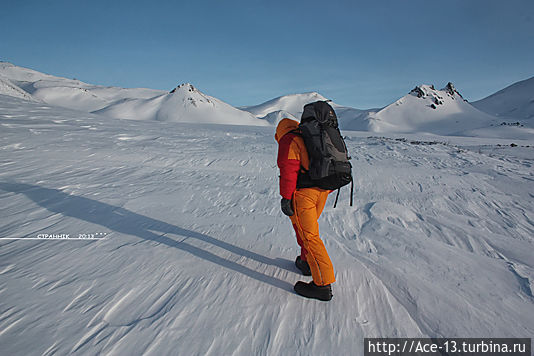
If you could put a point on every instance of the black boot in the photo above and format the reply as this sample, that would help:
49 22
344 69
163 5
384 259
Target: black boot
303 266
311 290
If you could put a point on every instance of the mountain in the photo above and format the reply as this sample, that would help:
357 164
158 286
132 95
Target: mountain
275 117
291 106
69 93
426 109
513 102
185 103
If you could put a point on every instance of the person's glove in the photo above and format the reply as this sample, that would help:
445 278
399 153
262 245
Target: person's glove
286 207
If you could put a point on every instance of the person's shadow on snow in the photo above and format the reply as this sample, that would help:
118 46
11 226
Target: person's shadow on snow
125 221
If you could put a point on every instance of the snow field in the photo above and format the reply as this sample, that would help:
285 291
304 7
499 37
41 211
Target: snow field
198 259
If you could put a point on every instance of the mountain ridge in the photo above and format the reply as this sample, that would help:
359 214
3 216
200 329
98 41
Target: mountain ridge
515 101
424 109
185 103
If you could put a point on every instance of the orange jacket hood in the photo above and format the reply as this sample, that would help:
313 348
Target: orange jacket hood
285 126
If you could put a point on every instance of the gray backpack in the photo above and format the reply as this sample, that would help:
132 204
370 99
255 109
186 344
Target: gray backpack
329 160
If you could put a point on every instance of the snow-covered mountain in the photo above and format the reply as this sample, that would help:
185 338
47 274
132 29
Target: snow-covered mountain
513 102
275 117
69 93
185 103
291 106
426 109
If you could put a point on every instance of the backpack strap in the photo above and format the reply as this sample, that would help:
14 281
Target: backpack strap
351 193
298 133
337 196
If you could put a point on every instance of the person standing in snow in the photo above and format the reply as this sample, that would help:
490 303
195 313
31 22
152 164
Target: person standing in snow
303 203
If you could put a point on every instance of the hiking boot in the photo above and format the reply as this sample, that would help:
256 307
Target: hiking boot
303 266
311 290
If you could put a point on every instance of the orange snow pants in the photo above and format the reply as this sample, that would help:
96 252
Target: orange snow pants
308 204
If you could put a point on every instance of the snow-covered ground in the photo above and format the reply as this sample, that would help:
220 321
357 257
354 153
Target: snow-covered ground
197 259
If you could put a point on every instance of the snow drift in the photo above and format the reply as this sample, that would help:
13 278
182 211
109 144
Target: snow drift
10 89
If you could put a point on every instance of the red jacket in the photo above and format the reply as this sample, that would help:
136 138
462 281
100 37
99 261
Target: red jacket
292 155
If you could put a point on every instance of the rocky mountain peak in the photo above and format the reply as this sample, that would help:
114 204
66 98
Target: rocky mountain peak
451 90
184 86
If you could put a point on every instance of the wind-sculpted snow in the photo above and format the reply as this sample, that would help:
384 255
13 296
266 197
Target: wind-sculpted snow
9 89
197 259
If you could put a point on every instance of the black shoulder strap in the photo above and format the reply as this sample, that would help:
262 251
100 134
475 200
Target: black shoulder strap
351 190
337 196
351 193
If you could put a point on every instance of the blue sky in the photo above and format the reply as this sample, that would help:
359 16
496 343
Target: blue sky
359 53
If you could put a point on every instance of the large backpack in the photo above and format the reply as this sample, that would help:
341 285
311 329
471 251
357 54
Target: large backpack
329 160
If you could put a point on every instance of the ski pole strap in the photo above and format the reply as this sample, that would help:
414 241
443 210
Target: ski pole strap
337 196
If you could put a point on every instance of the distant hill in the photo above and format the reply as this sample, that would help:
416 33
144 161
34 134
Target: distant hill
291 106
426 109
183 104
513 102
